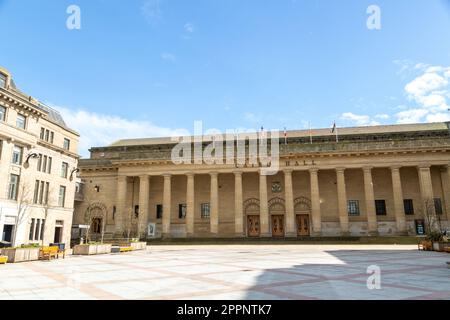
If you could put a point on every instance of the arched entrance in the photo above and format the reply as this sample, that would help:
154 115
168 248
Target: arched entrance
251 209
96 217
277 212
302 208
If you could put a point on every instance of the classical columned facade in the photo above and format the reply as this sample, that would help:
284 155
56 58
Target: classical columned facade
329 193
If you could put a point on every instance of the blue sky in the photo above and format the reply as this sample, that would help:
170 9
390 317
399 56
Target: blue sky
149 68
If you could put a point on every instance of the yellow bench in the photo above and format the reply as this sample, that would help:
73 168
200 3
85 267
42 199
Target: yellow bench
3 259
125 249
48 253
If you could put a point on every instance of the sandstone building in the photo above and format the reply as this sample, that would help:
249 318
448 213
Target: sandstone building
38 159
372 180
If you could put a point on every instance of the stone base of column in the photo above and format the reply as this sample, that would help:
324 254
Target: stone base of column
291 235
373 233
402 233
265 235
239 235
190 235
166 236
345 234
316 234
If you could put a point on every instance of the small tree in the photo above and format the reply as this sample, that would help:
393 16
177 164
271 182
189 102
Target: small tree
24 199
432 221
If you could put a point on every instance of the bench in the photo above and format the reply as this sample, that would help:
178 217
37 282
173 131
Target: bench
47 253
126 249
3 259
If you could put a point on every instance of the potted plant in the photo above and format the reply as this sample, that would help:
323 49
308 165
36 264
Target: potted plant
436 239
91 248
20 254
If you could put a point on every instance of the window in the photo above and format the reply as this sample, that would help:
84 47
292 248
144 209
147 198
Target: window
2 113
13 187
17 155
62 196
2 80
159 211
438 206
182 211
52 136
380 207
30 237
21 121
136 211
49 165
64 169
353 207
42 135
205 212
41 237
408 206
38 228
66 144
47 135
44 164
41 189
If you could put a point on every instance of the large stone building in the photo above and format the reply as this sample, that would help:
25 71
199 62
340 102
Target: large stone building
378 180
38 156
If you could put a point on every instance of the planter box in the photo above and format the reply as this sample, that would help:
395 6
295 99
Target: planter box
21 254
86 250
439 246
138 245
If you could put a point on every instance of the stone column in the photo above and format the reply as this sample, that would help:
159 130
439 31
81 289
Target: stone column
426 188
315 202
214 214
238 205
167 210
144 194
263 206
289 195
445 177
342 201
121 203
398 200
190 205
372 223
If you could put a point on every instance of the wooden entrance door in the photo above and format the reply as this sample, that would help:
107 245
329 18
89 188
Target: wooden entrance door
303 224
277 226
253 227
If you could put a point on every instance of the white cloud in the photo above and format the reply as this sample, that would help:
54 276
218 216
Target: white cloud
101 130
152 12
429 92
168 57
189 27
382 116
359 120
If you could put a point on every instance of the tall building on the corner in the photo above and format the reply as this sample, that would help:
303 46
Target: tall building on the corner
38 161
381 180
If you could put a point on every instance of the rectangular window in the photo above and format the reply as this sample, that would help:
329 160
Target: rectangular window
182 211
30 236
136 211
2 81
47 188
64 169
408 205
47 135
62 196
41 136
44 164
66 144
38 228
17 155
353 207
49 165
52 136
13 187
2 113
438 206
205 211
159 211
36 192
380 207
41 236
21 121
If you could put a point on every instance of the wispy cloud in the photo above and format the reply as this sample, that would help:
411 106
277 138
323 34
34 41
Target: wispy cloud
189 27
168 57
152 12
359 120
97 129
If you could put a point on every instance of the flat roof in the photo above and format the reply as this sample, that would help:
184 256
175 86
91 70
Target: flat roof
396 128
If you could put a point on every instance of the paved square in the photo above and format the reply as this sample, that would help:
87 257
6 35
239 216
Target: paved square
234 272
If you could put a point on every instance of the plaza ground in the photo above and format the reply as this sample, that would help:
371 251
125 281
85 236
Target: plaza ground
234 272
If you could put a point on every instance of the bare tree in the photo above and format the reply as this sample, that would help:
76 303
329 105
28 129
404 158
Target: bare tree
24 200
432 221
